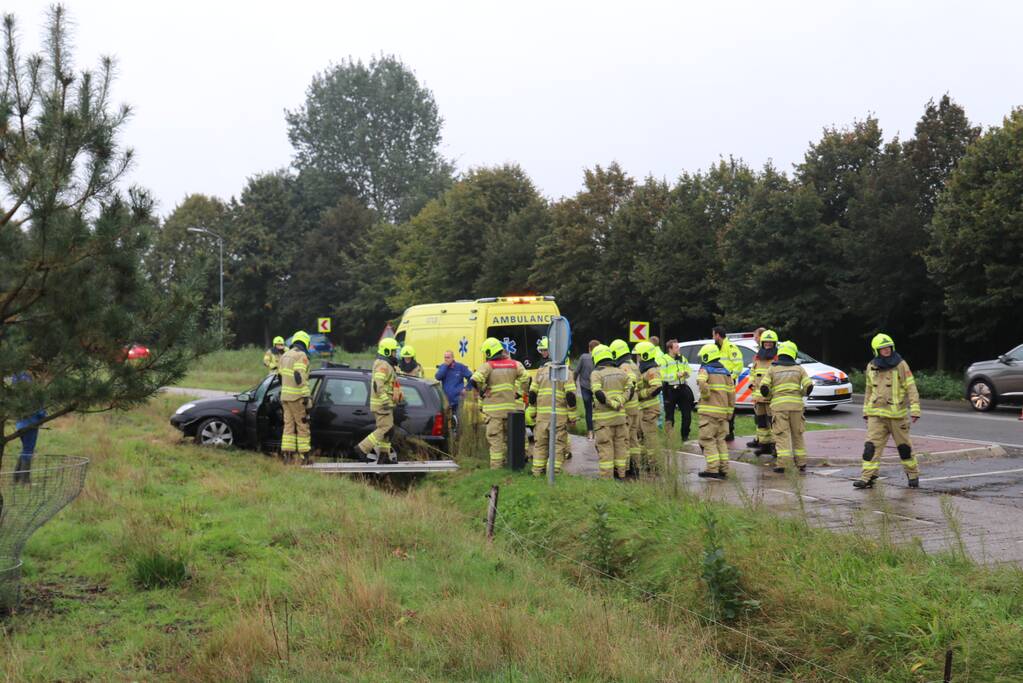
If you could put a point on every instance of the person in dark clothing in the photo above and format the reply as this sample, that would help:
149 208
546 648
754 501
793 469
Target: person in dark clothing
582 375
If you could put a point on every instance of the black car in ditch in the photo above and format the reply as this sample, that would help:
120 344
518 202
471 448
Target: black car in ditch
338 419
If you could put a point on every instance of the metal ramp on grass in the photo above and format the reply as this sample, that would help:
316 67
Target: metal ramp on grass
410 467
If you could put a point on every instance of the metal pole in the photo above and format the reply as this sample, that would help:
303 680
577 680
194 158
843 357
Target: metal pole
221 240
552 433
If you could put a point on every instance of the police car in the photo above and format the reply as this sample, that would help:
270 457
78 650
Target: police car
831 386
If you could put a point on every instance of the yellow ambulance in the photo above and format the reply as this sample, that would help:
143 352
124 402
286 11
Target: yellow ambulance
518 322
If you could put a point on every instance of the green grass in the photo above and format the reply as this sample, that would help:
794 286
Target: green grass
941 386
241 369
859 606
179 563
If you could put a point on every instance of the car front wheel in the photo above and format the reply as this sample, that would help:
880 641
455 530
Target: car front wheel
981 395
214 432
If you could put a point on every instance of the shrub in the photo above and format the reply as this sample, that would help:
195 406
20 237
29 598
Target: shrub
156 570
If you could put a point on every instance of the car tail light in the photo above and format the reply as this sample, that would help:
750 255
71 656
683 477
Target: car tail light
438 425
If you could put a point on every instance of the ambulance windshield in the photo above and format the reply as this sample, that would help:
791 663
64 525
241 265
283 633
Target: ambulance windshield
520 342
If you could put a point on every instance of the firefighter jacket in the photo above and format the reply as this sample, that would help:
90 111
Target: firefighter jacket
890 392
616 386
757 372
540 409
386 390
649 385
499 383
787 384
632 370
272 359
717 391
291 362
674 370
731 358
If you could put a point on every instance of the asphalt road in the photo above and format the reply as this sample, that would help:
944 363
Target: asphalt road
1001 426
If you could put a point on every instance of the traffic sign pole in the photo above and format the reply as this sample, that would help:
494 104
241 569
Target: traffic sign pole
559 339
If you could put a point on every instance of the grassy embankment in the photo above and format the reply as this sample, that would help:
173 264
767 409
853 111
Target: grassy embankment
241 369
809 604
184 564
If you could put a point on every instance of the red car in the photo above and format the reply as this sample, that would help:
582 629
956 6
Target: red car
136 352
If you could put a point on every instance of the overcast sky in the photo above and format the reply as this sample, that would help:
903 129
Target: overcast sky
557 87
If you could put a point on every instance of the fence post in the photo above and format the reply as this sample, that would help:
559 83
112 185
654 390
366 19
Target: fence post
948 667
491 511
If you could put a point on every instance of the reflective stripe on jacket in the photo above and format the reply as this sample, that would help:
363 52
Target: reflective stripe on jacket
717 392
381 399
291 362
890 393
731 358
788 385
758 370
615 383
499 381
543 387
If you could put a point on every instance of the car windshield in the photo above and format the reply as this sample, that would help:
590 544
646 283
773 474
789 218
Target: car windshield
1016 353
520 342
805 358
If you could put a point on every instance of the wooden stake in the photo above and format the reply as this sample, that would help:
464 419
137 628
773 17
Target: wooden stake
491 511
948 667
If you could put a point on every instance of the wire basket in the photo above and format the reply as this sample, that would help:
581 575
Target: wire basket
28 502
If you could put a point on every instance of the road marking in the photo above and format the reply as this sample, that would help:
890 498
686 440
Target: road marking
790 493
975 474
911 519
828 473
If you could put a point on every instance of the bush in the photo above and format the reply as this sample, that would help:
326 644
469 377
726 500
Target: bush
941 386
156 570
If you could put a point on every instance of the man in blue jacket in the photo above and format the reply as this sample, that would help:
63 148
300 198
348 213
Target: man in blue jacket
453 375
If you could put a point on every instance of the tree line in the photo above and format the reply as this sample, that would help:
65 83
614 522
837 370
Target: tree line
921 237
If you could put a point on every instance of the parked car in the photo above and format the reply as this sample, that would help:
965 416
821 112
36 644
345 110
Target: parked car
339 416
136 352
990 382
319 345
831 386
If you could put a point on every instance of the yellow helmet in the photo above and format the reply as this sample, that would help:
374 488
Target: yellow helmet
768 336
408 352
788 348
645 350
387 346
881 341
709 353
300 336
491 348
601 352
278 340
542 344
619 348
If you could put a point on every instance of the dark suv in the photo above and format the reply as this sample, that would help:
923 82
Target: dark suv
339 417
991 382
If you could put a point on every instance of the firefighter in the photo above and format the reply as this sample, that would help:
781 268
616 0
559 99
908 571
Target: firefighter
731 359
649 390
716 407
611 387
540 392
272 357
623 359
677 394
766 353
384 396
890 402
498 382
786 383
409 366
294 371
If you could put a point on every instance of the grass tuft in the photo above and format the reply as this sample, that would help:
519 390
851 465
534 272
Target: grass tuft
156 570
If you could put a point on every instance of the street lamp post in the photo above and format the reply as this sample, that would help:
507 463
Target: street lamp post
220 240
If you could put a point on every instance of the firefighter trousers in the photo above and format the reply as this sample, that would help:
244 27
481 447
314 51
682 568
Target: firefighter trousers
713 431
497 438
762 417
648 418
379 440
635 419
295 437
612 449
788 429
878 431
541 444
